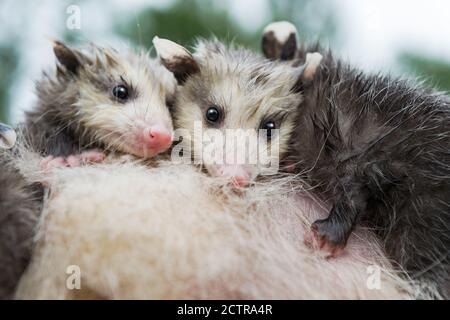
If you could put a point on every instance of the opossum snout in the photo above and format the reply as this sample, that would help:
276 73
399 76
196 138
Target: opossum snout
157 138
152 139
238 176
239 181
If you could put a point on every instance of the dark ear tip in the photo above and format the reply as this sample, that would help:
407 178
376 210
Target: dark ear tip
59 48
279 40
66 56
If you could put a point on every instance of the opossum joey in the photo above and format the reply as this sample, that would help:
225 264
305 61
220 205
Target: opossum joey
377 149
101 100
227 88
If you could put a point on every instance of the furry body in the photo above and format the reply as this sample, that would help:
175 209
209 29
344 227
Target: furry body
20 205
76 112
378 149
177 236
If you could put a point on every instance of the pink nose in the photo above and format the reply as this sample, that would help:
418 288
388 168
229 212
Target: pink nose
239 177
159 138
239 181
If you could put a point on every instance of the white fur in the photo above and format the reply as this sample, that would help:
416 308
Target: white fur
312 63
281 30
170 233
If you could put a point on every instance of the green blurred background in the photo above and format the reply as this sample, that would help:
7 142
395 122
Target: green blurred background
25 26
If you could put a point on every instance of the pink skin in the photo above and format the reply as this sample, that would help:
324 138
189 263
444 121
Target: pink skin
151 141
87 157
148 142
156 138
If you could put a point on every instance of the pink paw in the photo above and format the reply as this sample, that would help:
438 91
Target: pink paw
86 157
50 162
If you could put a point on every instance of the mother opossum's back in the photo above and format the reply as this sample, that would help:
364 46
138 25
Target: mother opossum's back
19 210
167 232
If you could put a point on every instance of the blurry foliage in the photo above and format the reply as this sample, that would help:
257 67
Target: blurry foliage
184 20
315 19
71 36
8 66
436 73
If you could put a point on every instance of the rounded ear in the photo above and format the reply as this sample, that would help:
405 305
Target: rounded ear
306 72
312 63
70 59
7 137
279 41
176 59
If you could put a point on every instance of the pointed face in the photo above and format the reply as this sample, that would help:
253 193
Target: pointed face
244 105
118 99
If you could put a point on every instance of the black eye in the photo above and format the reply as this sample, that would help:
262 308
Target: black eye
121 92
212 114
269 126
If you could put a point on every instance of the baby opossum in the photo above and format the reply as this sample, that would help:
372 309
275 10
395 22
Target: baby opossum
99 100
378 149
102 99
224 88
